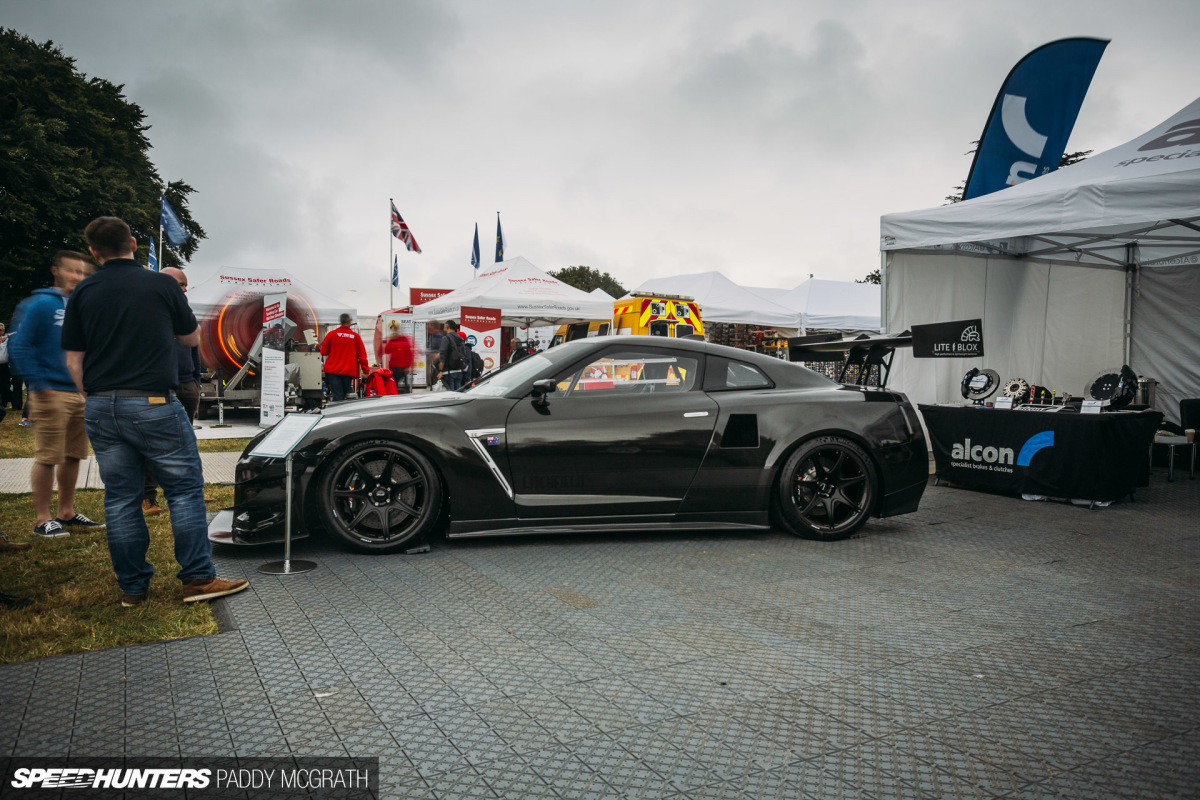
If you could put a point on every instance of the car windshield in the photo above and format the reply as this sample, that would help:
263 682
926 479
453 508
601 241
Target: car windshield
501 382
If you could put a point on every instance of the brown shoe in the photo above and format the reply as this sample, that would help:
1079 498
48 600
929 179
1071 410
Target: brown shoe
132 600
151 508
210 588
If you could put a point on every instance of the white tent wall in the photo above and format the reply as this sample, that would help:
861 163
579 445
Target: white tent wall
1162 347
1049 323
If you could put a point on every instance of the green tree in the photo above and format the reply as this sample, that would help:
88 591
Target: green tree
870 277
72 148
587 279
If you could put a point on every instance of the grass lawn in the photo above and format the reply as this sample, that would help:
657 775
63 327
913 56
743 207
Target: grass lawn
17 442
77 605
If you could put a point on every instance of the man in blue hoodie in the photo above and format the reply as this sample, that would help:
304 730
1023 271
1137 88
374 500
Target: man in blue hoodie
58 435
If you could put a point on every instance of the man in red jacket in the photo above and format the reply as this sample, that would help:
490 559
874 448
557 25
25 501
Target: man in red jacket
345 359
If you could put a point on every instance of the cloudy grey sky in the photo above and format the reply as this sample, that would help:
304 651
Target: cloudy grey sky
644 139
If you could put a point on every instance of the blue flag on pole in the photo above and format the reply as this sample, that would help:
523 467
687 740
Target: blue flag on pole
152 259
475 250
1026 133
396 271
177 234
499 239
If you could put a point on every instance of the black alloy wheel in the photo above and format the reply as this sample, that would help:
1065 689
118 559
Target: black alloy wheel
827 489
380 496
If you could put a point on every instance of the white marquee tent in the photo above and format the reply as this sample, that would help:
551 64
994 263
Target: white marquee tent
1088 267
722 300
830 305
208 297
525 295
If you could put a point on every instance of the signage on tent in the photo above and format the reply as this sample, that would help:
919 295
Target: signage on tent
418 296
961 339
481 326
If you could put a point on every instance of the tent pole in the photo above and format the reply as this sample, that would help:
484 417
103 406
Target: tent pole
883 320
1130 275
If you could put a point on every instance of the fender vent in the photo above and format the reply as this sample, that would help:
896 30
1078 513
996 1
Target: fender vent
740 431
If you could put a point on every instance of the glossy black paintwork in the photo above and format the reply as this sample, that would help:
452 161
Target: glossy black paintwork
578 462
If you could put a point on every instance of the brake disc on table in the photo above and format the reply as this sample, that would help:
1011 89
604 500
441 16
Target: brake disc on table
1018 390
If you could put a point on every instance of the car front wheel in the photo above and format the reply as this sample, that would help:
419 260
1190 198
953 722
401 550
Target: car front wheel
380 496
827 489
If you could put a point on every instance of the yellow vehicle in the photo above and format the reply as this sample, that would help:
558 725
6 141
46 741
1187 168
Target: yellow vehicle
643 315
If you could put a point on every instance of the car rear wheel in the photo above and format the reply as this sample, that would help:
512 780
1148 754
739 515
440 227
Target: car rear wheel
380 496
827 489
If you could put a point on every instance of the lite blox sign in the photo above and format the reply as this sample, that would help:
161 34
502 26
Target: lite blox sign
960 339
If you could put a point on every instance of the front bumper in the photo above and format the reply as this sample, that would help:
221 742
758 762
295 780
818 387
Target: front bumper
259 499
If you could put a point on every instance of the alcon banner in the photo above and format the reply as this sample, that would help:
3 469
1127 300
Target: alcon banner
960 339
1030 122
1073 456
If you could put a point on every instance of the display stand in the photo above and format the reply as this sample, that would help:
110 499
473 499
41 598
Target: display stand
287 566
281 443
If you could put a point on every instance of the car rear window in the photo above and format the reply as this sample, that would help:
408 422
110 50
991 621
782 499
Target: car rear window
727 375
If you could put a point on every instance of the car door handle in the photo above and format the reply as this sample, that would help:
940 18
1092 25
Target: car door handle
695 414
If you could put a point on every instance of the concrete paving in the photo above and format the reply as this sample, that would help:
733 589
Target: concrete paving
983 647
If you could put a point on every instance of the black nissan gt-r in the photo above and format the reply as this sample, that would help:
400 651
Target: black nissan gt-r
600 434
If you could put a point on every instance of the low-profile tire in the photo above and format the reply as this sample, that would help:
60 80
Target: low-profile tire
380 496
827 489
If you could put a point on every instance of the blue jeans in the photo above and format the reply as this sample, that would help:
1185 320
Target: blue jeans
453 380
127 434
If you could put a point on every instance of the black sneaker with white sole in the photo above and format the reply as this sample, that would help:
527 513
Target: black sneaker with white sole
80 521
50 529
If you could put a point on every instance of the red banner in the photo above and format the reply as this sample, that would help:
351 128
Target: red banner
481 326
418 296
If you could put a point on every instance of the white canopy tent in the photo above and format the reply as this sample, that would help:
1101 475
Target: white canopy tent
525 295
226 285
830 305
722 300
1088 267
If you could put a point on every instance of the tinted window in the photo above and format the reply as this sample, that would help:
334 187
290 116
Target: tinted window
728 375
682 330
629 372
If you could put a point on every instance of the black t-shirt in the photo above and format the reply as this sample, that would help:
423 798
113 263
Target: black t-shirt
125 320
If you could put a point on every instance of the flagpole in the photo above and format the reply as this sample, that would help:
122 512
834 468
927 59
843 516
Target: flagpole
391 255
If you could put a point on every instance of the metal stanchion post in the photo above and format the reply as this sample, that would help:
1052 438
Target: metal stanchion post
287 566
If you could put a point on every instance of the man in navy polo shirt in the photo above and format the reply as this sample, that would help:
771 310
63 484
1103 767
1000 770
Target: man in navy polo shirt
119 332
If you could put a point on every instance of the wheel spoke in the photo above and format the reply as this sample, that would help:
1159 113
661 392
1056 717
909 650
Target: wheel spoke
385 474
363 472
830 504
401 485
842 498
842 484
809 505
404 507
837 465
382 511
361 515
357 494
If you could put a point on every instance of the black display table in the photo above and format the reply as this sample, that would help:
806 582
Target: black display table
1057 454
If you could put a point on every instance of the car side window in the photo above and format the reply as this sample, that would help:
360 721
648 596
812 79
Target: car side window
631 372
725 374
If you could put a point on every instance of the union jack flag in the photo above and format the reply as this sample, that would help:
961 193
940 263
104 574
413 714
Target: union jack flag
400 231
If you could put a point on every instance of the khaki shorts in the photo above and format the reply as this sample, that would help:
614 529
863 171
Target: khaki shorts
58 427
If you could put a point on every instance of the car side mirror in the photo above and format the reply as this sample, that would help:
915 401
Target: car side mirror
543 387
